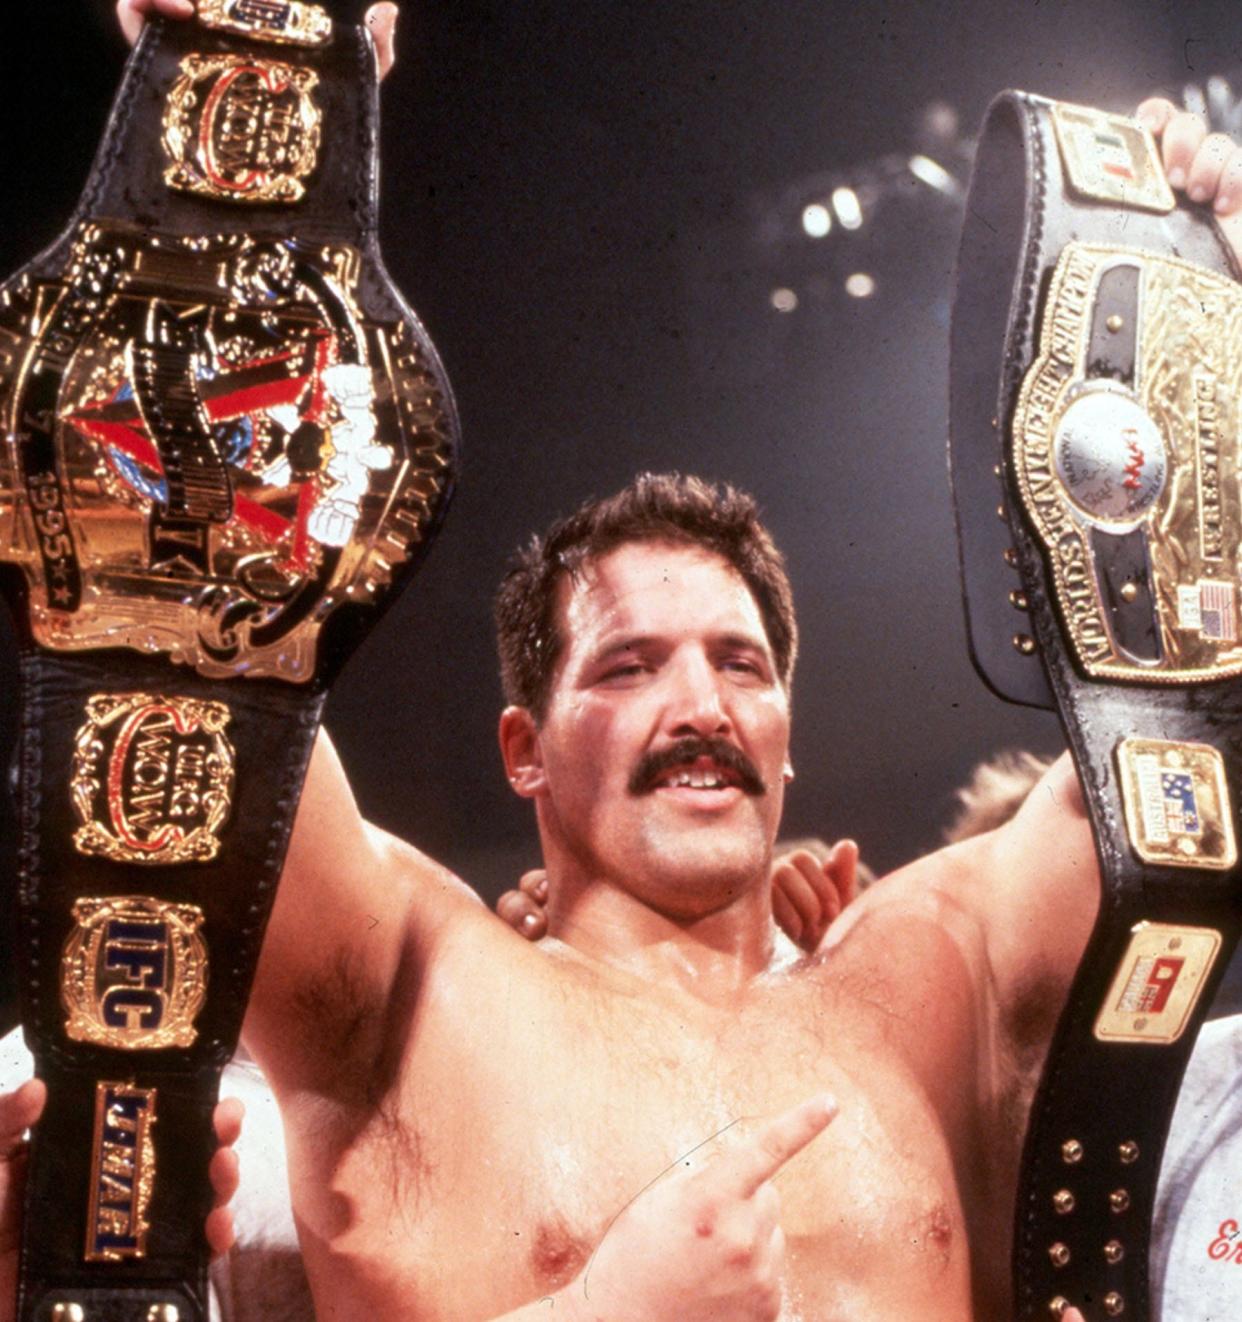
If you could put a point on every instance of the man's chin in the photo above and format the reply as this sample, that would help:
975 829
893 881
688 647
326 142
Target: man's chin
694 874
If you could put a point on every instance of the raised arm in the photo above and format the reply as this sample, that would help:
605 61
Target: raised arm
340 920
1035 885
356 911
1040 884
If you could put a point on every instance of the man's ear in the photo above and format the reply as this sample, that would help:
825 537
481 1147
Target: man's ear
519 746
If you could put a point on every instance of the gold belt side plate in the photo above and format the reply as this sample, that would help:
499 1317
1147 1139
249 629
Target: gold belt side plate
206 448
122 1172
240 129
1158 458
1157 984
1111 158
133 973
1177 806
285 22
152 778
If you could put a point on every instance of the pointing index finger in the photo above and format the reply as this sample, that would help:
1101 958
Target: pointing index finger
779 1139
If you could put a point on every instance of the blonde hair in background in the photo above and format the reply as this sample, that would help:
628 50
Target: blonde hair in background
995 791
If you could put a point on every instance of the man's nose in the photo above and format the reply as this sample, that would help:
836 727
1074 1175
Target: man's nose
697 702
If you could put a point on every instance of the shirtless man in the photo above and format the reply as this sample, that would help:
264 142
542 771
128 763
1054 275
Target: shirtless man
472 1119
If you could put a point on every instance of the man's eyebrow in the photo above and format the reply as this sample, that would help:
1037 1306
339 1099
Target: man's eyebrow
626 643
751 642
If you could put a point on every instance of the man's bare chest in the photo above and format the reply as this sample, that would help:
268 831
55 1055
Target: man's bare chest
528 1114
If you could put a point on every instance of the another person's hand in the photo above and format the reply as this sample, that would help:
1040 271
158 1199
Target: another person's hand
808 896
1207 167
705 1244
21 1109
526 909
381 19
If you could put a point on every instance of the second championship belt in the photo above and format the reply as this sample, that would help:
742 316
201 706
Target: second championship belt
226 441
1096 380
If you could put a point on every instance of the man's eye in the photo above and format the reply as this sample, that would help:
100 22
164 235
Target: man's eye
741 665
627 671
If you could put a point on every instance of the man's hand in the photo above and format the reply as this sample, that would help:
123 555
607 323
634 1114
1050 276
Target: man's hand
703 1245
18 1111
1206 166
381 19
225 1174
21 1109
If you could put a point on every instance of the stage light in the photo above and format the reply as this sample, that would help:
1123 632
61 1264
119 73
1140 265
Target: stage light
940 121
816 220
784 300
845 203
934 175
859 285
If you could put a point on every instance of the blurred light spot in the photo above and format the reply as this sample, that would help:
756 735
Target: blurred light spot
940 120
859 285
784 300
816 220
933 174
845 204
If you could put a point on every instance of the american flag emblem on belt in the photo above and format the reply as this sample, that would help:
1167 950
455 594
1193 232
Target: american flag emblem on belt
1217 611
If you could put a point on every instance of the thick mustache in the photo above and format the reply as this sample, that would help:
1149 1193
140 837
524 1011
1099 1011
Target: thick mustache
653 765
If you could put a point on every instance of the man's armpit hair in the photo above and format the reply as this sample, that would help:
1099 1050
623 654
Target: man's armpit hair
352 1035
338 1018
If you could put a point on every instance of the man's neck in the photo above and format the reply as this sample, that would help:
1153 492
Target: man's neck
711 957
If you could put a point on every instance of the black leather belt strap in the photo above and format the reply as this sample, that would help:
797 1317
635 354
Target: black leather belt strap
226 441
1093 409
272 728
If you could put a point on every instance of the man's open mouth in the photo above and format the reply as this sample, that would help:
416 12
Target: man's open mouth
701 764
703 775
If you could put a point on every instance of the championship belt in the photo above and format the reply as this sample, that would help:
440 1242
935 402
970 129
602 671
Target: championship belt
1096 361
227 441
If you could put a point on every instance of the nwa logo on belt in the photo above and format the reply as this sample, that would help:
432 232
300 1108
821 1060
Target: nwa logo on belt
283 21
122 1172
134 973
241 130
1125 449
152 778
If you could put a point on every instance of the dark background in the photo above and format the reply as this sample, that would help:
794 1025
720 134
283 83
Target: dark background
591 205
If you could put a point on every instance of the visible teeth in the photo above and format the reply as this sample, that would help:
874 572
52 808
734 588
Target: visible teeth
699 780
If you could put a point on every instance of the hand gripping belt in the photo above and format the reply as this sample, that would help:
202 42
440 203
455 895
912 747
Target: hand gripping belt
1094 406
226 442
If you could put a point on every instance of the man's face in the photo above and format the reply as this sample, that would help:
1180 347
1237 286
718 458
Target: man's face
666 736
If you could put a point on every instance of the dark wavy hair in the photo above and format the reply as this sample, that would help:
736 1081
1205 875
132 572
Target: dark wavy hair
655 507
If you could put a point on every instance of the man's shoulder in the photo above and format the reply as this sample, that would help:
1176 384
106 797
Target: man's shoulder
933 894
